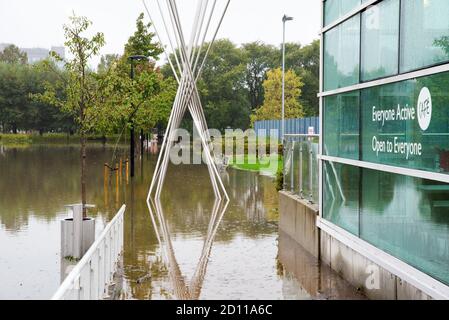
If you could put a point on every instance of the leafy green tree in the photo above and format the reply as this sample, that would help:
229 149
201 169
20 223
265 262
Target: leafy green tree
222 87
12 55
305 61
18 111
107 62
272 107
144 102
259 58
79 83
12 96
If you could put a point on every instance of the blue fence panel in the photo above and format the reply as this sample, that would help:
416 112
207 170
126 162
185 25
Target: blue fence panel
292 126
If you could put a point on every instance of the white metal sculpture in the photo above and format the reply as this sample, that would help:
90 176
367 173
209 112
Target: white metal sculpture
187 67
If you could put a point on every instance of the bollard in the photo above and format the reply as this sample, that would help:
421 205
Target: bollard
116 184
127 171
77 233
121 169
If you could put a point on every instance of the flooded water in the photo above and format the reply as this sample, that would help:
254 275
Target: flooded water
188 247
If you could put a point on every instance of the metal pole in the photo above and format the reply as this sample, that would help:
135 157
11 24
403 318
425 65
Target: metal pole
131 153
142 138
292 182
311 171
283 82
301 168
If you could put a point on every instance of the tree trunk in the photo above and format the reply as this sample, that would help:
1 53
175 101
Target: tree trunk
83 173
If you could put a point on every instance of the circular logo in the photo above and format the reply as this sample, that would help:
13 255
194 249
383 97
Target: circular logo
424 109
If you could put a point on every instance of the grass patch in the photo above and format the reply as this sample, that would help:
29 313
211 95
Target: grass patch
268 165
15 139
53 138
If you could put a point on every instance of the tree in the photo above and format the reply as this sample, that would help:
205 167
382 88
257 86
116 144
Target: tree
305 61
144 102
107 62
80 85
259 58
231 86
12 95
18 111
12 55
222 87
272 107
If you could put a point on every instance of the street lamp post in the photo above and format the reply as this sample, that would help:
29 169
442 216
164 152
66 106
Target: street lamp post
285 18
132 142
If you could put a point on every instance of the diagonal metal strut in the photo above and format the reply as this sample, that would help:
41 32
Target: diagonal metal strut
190 59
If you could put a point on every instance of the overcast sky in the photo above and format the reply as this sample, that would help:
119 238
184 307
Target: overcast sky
38 23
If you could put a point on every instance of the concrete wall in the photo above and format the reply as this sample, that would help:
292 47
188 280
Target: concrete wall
298 220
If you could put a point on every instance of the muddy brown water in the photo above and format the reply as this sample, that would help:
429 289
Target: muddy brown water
245 258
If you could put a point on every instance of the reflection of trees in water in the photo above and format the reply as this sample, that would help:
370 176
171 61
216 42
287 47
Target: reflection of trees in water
254 194
37 182
40 181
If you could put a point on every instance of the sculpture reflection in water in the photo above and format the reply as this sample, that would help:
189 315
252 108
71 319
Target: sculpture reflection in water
182 289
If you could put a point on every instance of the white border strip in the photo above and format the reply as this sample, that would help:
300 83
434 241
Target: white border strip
404 271
441 177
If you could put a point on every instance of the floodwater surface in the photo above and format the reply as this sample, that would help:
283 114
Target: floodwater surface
189 246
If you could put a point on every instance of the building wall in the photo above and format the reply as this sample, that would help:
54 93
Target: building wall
37 54
385 127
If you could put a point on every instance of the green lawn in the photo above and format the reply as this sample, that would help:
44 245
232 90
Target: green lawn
10 139
268 165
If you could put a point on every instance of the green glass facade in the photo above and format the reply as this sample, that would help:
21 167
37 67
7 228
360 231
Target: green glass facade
425 32
341 55
335 9
380 26
386 125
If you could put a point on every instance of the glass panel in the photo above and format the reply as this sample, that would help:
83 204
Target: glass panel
294 180
315 171
334 9
425 33
305 151
288 164
408 218
406 124
341 195
341 54
380 40
341 123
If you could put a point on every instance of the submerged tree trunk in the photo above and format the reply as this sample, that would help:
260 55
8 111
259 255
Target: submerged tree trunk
83 173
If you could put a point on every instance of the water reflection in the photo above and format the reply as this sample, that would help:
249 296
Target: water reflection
182 290
306 278
238 248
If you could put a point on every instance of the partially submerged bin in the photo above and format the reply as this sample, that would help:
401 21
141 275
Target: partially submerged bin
77 233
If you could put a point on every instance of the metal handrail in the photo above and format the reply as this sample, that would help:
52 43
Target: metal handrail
74 276
302 135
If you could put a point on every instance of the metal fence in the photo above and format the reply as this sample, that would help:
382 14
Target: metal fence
90 278
292 126
301 171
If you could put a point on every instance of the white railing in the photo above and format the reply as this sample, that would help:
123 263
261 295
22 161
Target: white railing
90 278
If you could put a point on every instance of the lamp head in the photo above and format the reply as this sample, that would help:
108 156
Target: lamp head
138 57
286 18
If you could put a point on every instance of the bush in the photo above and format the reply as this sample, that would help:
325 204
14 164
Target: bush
280 180
16 139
